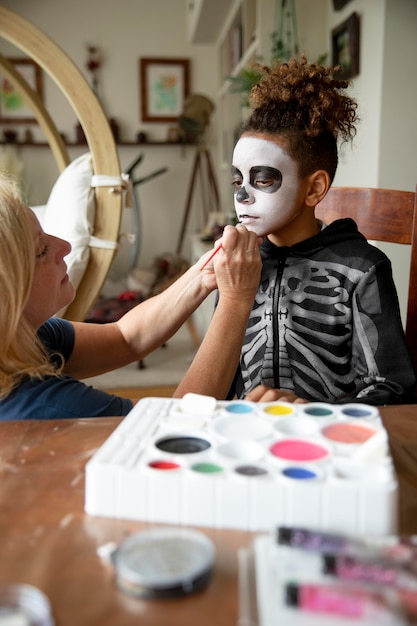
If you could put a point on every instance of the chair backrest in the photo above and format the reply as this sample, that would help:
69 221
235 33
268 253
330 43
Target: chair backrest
381 215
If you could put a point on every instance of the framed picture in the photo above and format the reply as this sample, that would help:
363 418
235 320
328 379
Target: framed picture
339 4
12 106
164 87
345 47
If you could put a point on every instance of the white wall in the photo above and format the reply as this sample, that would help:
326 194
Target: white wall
383 153
124 31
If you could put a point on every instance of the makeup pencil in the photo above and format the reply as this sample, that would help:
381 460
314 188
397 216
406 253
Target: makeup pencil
210 257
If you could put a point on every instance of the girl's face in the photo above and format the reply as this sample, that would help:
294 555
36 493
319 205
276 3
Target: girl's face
269 194
51 289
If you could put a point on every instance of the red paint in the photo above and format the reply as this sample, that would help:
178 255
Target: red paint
164 465
298 450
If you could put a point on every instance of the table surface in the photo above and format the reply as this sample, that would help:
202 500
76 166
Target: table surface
48 541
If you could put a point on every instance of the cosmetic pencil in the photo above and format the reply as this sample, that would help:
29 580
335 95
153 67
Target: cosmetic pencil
210 257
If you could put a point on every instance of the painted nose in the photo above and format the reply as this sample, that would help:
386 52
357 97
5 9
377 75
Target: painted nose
243 196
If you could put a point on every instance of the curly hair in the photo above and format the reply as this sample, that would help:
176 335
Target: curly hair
304 104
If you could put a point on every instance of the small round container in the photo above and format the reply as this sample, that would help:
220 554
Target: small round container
322 411
346 437
235 427
182 444
242 451
348 433
239 407
164 562
24 605
297 425
279 409
299 451
302 473
359 411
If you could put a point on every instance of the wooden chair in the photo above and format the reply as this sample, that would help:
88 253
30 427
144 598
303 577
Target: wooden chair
381 215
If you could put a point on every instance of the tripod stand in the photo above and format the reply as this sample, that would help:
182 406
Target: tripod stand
208 185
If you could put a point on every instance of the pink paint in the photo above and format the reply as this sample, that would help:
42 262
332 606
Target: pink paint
298 450
347 432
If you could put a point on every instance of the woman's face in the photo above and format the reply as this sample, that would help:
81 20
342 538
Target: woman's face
51 288
269 194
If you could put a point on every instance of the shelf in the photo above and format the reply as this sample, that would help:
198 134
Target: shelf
205 19
72 144
239 41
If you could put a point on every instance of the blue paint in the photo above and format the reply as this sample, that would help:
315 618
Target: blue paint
239 408
356 412
299 473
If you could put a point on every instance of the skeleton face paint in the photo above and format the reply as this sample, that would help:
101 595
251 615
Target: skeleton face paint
266 185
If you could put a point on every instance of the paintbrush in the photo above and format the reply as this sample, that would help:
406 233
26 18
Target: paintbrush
210 257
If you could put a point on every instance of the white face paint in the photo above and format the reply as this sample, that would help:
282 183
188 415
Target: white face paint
267 185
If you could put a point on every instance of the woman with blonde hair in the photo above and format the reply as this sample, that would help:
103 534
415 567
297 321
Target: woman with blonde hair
44 358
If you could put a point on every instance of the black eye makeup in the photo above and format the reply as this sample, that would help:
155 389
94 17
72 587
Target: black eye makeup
267 179
237 178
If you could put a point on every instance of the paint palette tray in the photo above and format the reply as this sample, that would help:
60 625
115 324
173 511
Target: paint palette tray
251 466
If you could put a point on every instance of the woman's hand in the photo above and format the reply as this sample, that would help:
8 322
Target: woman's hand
236 265
262 393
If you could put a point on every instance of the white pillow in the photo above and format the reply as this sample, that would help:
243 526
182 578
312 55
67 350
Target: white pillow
70 213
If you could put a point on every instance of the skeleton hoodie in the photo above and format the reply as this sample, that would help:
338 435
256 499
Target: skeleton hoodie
326 323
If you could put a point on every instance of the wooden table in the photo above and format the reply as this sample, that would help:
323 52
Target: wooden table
47 540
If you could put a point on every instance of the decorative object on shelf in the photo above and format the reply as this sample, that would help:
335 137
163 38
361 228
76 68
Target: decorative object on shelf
11 162
284 46
28 136
285 36
195 118
164 88
12 106
339 4
173 134
93 64
10 135
193 122
345 47
141 137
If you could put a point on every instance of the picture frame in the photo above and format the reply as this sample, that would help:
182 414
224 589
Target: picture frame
13 108
345 47
339 4
164 87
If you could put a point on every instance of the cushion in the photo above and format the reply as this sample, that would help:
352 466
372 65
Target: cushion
70 213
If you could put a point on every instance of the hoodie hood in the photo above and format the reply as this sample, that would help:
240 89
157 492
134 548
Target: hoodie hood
339 231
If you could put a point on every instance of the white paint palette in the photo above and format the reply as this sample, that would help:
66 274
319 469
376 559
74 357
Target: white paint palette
252 466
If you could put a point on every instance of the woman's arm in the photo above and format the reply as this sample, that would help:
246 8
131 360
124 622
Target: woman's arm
100 348
214 366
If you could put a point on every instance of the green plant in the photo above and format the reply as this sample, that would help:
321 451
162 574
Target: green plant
250 76
243 82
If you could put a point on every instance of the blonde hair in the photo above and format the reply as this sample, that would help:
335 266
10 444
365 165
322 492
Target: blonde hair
21 353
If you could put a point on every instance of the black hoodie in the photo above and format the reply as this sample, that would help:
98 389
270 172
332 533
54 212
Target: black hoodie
326 323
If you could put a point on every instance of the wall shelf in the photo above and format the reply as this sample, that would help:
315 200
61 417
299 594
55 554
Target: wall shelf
71 144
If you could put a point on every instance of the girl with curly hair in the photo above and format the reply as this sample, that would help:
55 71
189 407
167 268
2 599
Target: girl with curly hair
325 325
